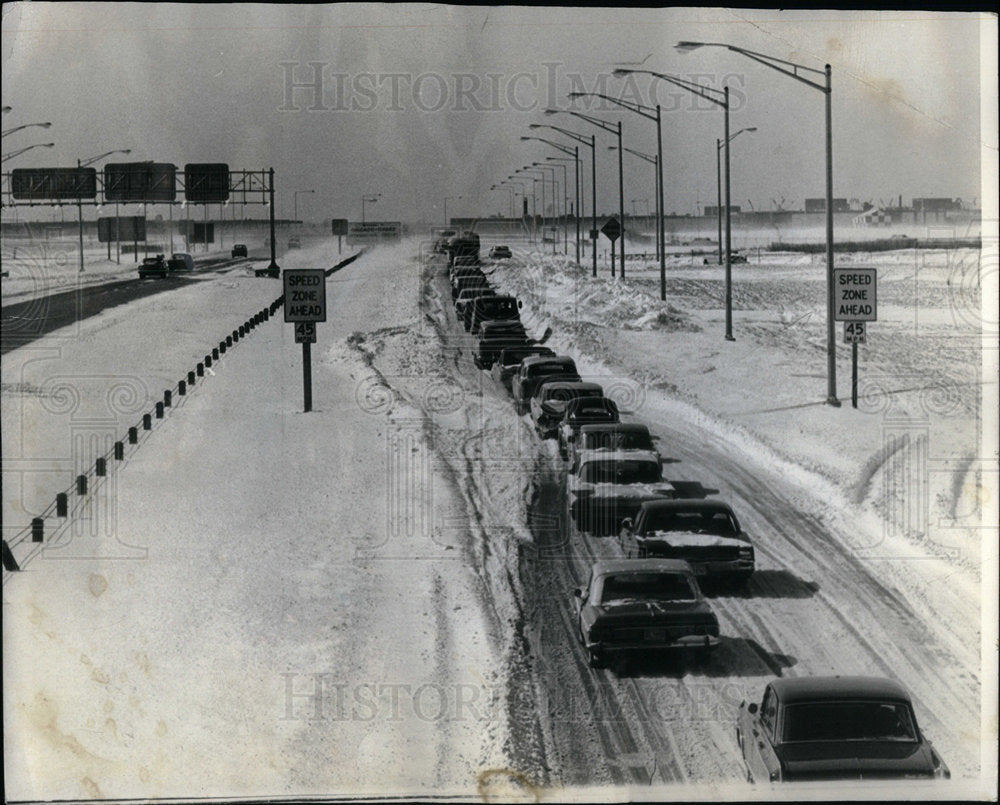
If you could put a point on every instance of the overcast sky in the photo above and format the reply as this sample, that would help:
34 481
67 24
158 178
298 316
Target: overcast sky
420 102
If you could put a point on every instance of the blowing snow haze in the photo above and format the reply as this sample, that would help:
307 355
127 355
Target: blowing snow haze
422 101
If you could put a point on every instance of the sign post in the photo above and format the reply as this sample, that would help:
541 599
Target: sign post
856 302
612 230
305 304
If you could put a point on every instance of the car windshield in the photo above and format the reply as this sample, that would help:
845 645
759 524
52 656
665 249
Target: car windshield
848 721
565 395
627 587
716 522
618 440
621 472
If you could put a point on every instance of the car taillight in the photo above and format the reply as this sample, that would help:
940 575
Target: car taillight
746 553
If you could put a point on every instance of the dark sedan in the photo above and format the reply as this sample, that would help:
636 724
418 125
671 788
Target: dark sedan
643 606
834 728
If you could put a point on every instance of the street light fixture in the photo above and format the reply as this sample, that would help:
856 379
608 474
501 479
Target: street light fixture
592 145
25 126
650 113
613 129
792 69
20 151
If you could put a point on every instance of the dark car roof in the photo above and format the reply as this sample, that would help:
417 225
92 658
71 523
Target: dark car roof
687 505
640 566
819 688
615 427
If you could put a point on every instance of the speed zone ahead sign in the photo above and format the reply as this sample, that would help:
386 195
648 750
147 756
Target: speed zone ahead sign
854 296
305 294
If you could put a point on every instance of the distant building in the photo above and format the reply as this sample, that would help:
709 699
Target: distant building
819 205
712 210
872 217
936 205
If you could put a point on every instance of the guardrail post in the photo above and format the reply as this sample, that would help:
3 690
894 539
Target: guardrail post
191 377
81 484
147 421
37 529
181 388
101 467
215 355
200 369
62 505
159 410
119 451
229 341
166 398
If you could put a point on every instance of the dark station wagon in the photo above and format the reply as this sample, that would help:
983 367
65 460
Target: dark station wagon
834 728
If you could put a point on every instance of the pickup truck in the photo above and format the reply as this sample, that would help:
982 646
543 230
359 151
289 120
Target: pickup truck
704 533
535 370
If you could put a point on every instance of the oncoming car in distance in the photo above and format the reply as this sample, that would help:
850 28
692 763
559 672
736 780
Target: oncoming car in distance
500 253
643 606
834 728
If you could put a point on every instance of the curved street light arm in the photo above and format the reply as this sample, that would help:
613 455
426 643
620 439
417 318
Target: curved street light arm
768 61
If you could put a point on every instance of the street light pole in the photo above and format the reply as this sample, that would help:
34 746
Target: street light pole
592 144
295 203
575 153
793 70
613 129
646 112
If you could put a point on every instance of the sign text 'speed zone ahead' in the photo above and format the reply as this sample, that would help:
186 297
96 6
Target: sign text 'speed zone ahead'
854 294
305 294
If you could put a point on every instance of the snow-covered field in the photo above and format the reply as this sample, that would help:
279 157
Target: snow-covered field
262 602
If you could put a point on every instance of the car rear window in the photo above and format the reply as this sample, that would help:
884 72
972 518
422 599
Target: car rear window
621 472
628 440
647 587
848 721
